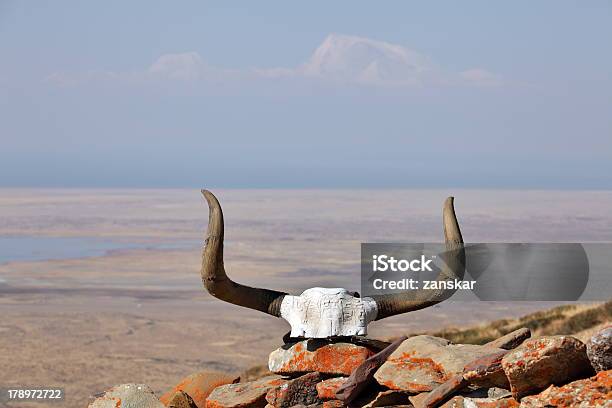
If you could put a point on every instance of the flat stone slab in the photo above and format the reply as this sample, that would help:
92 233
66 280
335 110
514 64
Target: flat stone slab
421 363
244 395
318 356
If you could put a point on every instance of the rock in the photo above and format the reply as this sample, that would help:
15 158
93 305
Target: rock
490 403
421 363
385 399
333 404
181 400
326 390
599 349
299 391
443 392
199 385
540 362
592 392
487 371
497 393
244 395
318 355
363 375
468 402
127 396
419 399
511 340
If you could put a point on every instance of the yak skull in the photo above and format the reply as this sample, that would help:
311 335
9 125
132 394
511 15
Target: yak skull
325 312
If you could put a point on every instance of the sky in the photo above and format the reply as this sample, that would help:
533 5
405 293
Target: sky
314 94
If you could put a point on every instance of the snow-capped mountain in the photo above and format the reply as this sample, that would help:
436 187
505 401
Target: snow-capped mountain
352 58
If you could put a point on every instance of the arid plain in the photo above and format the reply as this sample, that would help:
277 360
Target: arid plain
137 312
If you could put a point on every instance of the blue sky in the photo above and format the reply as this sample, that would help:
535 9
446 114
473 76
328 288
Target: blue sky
318 94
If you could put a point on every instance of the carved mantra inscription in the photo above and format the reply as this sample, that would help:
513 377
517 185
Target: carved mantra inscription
325 312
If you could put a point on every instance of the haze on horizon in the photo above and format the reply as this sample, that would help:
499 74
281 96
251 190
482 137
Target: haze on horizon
160 94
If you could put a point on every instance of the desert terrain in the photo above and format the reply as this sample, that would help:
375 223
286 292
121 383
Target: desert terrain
119 299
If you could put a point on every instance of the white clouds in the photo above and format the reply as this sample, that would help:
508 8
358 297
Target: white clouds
481 77
339 58
188 66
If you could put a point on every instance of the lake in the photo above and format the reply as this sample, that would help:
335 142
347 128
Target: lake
29 248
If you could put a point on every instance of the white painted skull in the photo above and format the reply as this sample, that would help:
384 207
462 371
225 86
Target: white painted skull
325 312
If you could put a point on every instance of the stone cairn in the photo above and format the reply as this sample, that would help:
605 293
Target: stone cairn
421 371
326 361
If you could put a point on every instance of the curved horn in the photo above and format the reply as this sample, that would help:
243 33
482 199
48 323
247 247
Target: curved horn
393 304
213 273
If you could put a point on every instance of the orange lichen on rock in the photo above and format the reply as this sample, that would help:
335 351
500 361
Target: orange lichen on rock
591 392
407 362
422 363
502 403
327 389
541 362
333 404
199 385
344 358
250 394
335 358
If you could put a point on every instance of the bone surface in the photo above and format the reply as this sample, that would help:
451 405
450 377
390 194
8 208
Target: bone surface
325 312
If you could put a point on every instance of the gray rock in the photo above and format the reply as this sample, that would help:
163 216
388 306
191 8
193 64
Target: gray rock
599 349
127 396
